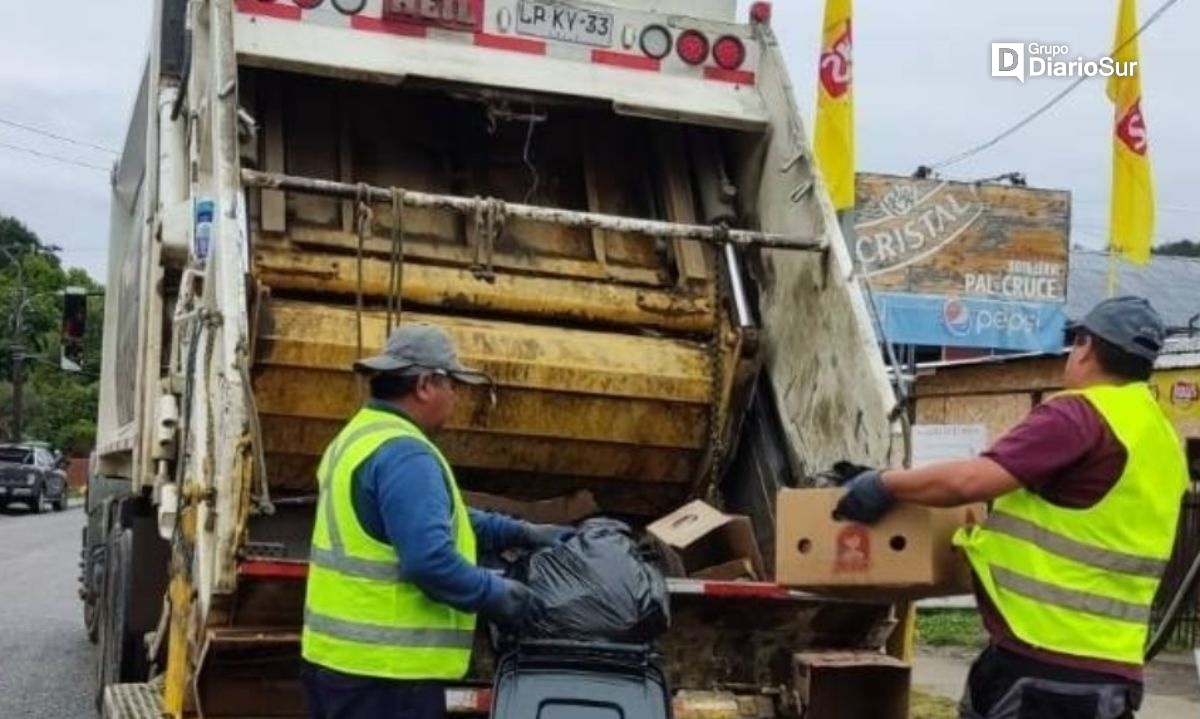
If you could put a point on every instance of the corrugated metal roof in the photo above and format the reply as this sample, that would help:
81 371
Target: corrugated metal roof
1172 284
1180 352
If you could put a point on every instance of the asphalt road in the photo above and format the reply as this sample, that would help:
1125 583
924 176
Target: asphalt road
45 658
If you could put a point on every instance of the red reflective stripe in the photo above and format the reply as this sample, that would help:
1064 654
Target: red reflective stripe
273 569
391 27
279 10
621 59
516 44
738 77
746 589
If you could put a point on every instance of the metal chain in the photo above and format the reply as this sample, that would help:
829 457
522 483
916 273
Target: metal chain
366 218
490 217
396 272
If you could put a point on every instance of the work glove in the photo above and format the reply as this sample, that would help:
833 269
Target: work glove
514 607
539 536
865 500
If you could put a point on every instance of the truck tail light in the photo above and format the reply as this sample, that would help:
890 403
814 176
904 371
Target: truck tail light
729 53
308 4
350 7
692 47
760 12
656 42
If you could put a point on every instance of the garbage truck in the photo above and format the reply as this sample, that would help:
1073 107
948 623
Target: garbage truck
613 209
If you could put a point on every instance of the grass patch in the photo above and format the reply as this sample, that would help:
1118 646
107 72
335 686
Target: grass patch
950 628
926 706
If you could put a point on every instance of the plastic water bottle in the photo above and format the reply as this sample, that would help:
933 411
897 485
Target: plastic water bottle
204 223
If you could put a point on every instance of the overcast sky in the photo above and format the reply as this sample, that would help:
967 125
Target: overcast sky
923 92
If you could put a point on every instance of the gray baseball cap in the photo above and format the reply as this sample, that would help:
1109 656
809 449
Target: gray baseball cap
1130 323
416 348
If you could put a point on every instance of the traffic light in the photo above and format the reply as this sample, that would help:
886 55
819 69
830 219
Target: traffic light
74 327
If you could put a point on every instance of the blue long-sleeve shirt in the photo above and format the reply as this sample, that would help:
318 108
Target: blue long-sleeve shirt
400 497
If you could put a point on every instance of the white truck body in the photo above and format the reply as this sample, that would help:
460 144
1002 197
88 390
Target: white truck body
184 418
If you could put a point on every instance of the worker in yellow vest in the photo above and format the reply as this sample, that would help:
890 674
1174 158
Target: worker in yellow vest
393 586
1086 496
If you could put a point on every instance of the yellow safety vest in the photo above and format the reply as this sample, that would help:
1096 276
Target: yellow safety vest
1082 581
360 614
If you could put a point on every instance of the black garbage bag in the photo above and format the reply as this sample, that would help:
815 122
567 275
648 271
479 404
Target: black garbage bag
598 586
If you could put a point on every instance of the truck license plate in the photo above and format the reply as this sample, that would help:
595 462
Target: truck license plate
559 22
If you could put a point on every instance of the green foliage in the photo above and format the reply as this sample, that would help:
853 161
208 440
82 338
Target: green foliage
59 407
1181 248
950 628
928 706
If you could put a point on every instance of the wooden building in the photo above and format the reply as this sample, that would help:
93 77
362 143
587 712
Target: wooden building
998 392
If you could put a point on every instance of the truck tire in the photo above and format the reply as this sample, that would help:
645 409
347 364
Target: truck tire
120 657
61 503
92 580
38 503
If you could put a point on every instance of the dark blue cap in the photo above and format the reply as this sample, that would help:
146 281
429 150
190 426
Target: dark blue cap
1130 323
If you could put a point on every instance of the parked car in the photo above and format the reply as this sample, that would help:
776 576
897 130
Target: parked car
32 475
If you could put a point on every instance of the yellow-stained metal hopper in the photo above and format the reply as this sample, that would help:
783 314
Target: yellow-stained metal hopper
573 407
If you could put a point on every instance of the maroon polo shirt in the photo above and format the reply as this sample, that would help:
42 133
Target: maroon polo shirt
1064 452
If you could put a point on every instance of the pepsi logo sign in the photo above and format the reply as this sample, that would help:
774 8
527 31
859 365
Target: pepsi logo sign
956 317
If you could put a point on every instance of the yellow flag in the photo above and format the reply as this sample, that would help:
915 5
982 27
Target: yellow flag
1132 221
835 105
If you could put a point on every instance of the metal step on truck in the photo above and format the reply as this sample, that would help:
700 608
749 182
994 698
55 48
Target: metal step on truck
612 208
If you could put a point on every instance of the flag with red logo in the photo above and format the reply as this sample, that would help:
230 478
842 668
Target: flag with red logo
1132 221
835 105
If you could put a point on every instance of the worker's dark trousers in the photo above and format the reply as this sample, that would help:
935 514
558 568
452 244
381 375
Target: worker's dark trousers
1003 685
334 695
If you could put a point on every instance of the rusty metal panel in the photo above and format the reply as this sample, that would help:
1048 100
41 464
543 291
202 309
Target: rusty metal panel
250 673
463 290
302 334
306 394
574 408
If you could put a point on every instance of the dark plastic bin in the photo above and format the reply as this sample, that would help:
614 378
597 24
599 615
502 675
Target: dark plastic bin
579 680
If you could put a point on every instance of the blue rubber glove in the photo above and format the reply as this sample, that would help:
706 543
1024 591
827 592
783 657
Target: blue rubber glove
538 536
514 607
865 500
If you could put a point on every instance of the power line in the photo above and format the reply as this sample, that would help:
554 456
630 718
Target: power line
62 138
954 159
56 158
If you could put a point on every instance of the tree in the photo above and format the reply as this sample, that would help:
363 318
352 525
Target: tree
58 407
1180 248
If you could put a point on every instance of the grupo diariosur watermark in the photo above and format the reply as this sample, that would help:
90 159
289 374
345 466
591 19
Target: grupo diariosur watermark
1024 60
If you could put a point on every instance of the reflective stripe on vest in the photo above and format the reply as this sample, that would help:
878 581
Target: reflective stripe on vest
1070 598
390 636
1083 581
335 557
361 615
1097 557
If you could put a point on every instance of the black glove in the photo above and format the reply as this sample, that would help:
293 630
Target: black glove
537 536
866 500
514 607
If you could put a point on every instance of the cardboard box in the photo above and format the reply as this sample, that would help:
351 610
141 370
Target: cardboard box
567 509
836 684
711 544
909 550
